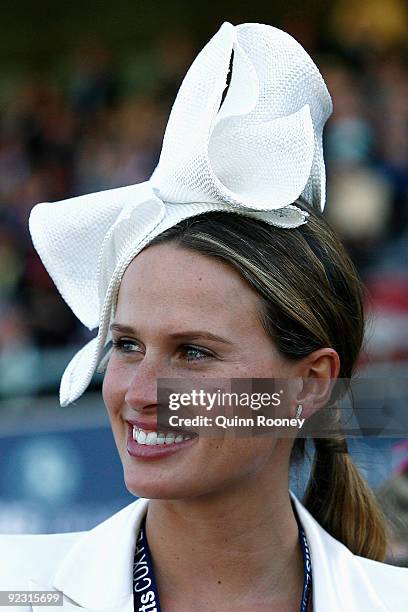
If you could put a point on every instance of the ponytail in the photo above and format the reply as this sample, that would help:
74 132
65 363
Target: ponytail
342 502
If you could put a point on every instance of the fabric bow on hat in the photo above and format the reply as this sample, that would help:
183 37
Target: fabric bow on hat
253 153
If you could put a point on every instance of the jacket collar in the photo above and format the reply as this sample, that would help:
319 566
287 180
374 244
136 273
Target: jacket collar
339 581
97 571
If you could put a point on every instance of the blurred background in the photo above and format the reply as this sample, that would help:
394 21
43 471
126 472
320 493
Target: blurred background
85 93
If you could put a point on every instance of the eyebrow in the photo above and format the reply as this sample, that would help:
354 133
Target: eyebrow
127 329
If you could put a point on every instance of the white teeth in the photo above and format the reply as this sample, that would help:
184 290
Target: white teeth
160 438
151 438
170 438
141 437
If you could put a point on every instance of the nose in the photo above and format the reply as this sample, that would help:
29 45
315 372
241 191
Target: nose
141 393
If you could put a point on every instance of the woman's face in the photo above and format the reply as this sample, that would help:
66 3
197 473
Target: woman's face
170 299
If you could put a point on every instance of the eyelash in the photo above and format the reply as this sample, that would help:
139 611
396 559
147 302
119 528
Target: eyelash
119 345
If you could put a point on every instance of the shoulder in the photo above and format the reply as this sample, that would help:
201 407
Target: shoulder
389 581
346 581
377 569
23 556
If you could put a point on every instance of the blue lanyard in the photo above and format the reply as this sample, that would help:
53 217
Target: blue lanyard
307 569
145 594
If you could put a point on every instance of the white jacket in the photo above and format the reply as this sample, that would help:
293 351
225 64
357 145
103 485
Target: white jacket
94 568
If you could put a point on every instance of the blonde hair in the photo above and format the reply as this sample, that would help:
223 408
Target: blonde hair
311 297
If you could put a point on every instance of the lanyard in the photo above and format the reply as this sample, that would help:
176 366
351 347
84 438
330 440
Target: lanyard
145 594
307 569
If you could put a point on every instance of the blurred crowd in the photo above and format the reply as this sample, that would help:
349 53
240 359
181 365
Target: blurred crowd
102 128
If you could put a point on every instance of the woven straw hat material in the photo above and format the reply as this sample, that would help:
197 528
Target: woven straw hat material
68 236
243 171
280 80
254 154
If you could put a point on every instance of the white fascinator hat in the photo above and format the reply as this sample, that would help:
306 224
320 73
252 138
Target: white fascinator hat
253 150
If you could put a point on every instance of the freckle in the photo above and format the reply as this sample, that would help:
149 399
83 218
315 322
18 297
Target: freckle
219 581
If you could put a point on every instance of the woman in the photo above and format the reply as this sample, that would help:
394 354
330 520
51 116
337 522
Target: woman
221 266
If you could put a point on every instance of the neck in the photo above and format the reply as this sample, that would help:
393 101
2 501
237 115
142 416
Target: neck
241 544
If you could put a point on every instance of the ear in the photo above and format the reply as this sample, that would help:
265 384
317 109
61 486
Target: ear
319 372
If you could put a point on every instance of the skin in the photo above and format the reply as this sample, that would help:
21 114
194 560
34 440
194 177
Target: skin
220 524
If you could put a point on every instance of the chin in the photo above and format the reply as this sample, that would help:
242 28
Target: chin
151 490
145 484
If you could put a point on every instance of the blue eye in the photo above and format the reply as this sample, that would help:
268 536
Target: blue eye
125 346
197 353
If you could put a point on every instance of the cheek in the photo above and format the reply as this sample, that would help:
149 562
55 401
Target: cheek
113 387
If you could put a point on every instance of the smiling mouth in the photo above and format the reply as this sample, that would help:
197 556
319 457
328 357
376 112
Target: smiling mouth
158 438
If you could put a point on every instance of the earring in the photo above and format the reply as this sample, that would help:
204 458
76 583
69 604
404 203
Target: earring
298 411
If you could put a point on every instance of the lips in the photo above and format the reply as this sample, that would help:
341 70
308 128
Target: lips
148 442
